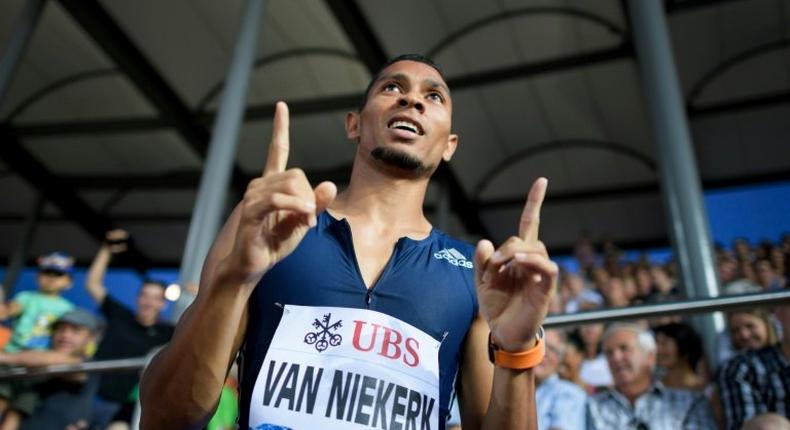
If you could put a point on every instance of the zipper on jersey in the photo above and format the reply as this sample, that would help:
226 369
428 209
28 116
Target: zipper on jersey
369 297
387 267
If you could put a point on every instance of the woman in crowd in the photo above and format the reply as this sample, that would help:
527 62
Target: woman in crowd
678 355
594 371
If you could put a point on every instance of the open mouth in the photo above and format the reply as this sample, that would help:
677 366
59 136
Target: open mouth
405 124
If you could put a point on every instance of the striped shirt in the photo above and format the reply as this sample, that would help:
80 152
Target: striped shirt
754 383
658 408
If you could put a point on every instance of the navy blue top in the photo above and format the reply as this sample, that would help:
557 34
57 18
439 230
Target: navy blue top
427 283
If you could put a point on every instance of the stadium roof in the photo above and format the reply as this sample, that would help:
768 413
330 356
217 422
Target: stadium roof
109 113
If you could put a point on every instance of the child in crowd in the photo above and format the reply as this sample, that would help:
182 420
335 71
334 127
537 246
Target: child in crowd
35 311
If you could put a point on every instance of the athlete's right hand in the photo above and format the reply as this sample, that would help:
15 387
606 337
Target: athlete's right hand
277 210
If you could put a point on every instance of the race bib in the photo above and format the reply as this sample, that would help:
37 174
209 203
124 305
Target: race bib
339 368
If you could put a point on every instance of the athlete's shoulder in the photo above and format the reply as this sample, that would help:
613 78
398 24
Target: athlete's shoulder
455 251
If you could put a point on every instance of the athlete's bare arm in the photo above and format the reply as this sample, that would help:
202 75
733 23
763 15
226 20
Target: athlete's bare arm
181 387
514 287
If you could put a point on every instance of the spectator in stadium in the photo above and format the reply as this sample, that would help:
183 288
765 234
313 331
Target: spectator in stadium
599 277
584 251
768 277
747 329
594 371
751 329
779 262
570 365
742 249
665 288
129 333
757 381
35 311
678 355
629 288
637 401
728 268
746 271
570 290
57 402
560 404
644 284
615 293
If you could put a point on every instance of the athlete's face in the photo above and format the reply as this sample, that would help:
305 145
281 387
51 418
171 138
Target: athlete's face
405 124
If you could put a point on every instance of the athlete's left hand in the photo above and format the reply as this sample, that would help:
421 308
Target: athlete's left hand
515 283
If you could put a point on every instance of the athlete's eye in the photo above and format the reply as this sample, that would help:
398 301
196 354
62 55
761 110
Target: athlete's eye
437 97
391 87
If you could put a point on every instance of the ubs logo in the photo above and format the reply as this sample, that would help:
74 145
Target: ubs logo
323 338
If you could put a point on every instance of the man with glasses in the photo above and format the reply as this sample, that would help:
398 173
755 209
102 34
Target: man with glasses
638 401
35 311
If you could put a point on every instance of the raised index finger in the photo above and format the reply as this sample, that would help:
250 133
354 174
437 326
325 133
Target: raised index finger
278 148
530 216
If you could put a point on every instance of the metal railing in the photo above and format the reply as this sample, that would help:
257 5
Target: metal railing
686 307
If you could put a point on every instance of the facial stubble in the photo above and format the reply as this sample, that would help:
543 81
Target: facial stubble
401 161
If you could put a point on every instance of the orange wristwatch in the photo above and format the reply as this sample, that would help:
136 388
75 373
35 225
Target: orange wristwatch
518 360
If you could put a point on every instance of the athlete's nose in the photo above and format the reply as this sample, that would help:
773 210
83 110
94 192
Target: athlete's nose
407 101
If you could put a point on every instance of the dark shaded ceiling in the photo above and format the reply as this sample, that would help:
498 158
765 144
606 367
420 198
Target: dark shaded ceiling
109 114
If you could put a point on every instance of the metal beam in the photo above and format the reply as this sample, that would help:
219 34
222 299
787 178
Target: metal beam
339 175
103 29
676 6
739 105
678 172
460 203
520 71
325 104
88 127
59 193
643 188
686 307
569 12
24 238
187 179
359 32
21 34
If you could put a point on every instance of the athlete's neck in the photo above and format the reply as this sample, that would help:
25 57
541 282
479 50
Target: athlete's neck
379 198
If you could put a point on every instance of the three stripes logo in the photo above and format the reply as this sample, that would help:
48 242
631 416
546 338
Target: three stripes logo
453 257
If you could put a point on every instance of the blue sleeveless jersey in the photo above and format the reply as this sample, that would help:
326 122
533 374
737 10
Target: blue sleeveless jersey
427 283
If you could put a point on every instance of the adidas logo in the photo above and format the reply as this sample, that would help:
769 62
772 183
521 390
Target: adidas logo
453 257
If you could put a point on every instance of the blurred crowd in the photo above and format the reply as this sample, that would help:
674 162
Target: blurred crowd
648 374
655 373
42 328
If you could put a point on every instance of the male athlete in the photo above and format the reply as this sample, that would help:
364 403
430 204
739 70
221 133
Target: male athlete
350 310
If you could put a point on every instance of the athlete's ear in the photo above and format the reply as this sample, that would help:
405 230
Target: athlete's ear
452 144
352 125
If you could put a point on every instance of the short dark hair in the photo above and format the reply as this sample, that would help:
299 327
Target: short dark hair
574 339
404 57
689 343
